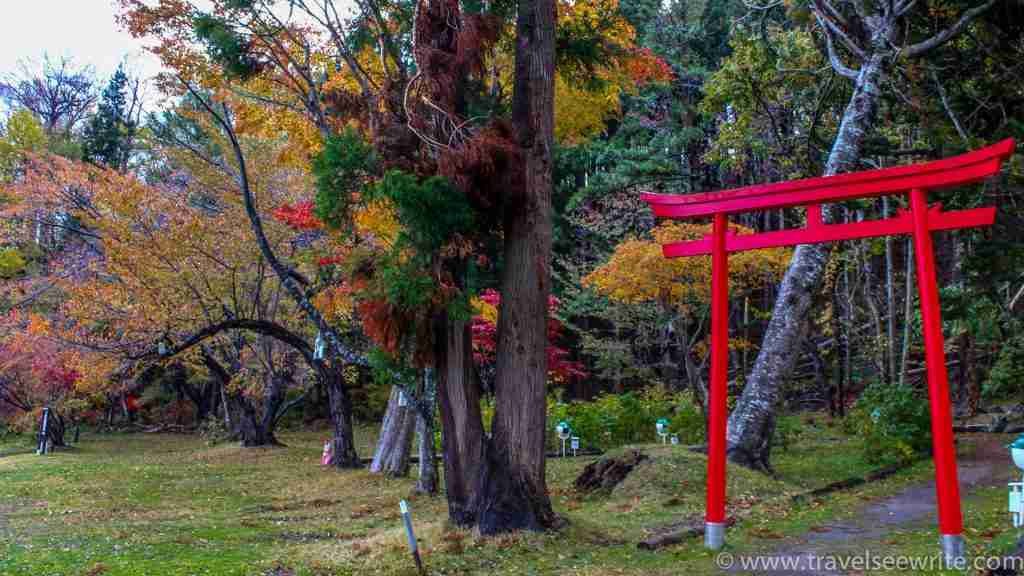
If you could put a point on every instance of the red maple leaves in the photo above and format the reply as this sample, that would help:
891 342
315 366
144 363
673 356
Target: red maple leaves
298 216
485 340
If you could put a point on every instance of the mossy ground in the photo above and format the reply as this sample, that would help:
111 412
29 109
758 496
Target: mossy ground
171 505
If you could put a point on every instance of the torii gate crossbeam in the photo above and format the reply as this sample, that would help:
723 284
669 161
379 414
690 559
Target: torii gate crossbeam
919 222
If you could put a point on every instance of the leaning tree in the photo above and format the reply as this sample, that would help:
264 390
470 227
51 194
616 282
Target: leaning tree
866 42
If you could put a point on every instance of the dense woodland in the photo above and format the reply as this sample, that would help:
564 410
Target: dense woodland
427 214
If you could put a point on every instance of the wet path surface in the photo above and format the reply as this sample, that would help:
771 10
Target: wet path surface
986 466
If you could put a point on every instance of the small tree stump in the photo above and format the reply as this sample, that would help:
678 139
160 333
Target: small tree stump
607 473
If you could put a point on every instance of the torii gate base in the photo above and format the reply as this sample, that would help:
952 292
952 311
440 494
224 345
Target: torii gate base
920 222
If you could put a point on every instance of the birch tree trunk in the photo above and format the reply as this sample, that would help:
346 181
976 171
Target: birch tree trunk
391 457
752 421
873 35
890 297
908 312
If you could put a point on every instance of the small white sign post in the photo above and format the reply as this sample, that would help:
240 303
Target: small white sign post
575 444
662 427
1017 488
564 432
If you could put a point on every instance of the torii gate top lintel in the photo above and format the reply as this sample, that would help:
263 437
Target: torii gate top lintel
812 192
919 221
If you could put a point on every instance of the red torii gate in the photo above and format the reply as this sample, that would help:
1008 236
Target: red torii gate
919 221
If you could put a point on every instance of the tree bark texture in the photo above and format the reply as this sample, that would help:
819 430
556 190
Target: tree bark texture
391 457
340 409
511 489
462 432
427 481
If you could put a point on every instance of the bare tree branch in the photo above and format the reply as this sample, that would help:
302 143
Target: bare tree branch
833 57
915 50
945 104
825 15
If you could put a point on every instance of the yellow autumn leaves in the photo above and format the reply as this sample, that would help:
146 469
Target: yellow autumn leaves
638 272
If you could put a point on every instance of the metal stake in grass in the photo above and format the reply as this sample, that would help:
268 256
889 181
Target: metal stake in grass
413 547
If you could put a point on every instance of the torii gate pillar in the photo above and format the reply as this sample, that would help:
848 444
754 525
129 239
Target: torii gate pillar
920 221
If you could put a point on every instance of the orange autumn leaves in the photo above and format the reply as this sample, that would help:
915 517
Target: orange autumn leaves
638 272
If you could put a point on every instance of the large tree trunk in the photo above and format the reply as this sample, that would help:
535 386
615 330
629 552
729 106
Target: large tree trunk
391 457
462 432
248 425
512 490
752 422
340 409
55 430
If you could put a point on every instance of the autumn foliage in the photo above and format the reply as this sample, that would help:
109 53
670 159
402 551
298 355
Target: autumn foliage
484 327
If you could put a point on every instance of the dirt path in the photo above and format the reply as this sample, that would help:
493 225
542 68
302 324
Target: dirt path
987 465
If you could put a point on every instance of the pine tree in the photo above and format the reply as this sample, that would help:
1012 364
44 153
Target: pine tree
109 135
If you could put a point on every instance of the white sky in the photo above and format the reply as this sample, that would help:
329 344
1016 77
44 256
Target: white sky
82 29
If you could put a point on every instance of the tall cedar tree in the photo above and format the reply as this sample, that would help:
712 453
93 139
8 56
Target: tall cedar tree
109 134
512 490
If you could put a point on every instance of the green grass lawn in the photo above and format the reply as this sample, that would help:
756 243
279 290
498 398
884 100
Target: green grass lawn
171 505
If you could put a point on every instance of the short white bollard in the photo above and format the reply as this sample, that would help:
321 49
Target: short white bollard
327 457
1017 503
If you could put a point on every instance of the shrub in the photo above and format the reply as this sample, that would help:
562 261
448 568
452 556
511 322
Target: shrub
11 263
1007 374
612 420
893 423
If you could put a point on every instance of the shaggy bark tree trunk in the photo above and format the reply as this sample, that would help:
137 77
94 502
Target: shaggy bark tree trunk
391 457
752 421
462 432
512 490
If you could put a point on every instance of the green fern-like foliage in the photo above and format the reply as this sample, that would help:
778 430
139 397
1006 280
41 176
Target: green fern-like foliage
340 170
432 211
